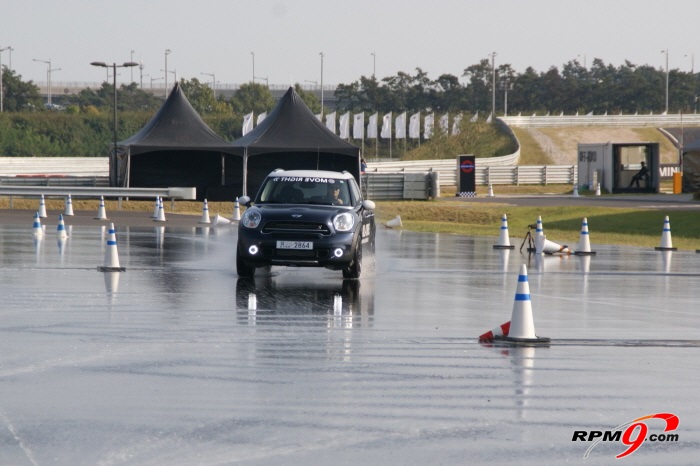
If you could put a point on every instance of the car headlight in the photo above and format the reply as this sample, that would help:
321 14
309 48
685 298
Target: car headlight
251 219
343 222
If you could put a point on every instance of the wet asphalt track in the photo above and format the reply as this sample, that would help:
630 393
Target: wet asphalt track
177 361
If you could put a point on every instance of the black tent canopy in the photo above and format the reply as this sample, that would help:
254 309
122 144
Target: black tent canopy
176 148
291 137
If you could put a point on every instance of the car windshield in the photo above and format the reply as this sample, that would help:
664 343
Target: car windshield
305 190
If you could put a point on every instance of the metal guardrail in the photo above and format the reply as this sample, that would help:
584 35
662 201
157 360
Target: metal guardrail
81 191
92 181
535 121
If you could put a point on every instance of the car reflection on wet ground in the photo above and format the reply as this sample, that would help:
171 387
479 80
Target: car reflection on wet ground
179 361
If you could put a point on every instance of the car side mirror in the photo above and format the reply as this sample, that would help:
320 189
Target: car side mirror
369 205
245 200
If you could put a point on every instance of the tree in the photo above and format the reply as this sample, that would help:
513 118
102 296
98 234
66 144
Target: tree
309 99
252 97
18 95
202 98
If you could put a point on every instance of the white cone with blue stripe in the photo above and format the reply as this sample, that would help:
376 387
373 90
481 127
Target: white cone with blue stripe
61 230
236 211
504 237
666 242
42 207
584 242
155 209
111 253
161 211
205 213
68 206
522 324
101 212
37 231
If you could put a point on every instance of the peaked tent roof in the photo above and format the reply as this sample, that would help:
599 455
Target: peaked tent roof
292 127
176 126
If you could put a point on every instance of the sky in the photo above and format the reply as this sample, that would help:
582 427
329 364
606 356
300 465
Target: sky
281 41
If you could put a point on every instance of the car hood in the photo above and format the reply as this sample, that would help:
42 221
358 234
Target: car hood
300 212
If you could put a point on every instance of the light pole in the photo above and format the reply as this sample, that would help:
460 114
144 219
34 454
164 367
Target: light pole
131 57
167 52
666 52
49 70
493 87
321 54
113 159
1 90
154 79
141 75
253 55
692 63
213 82
374 64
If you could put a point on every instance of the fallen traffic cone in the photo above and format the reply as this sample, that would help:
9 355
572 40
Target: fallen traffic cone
236 211
500 331
490 194
219 220
545 246
597 190
101 213
37 231
61 230
504 239
522 324
205 213
69 206
111 254
584 243
42 207
394 222
666 242
161 212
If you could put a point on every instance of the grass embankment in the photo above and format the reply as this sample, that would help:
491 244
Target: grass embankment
632 227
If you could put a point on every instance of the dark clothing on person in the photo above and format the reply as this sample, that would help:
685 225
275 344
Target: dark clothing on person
641 174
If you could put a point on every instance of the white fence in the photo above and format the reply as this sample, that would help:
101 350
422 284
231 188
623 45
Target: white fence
535 121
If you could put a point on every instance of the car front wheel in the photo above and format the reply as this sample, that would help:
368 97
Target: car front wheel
355 268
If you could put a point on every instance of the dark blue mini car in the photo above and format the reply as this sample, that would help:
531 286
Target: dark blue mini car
306 218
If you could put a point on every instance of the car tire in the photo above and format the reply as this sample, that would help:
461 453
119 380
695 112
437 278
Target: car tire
355 268
242 269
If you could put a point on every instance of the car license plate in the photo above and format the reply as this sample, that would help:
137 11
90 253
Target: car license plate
295 245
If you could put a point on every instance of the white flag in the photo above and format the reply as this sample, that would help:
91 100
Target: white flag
445 123
386 126
320 117
358 126
401 126
455 124
261 117
330 122
247 123
414 126
428 124
372 126
475 118
345 125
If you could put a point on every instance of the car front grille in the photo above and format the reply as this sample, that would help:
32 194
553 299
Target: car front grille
296 227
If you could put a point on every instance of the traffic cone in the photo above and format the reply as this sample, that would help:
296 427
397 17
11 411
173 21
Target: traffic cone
69 206
157 207
61 230
584 243
666 242
597 190
101 213
111 254
219 220
490 194
205 213
575 193
394 222
42 207
522 324
161 212
236 211
504 239
37 231
500 331
545 246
